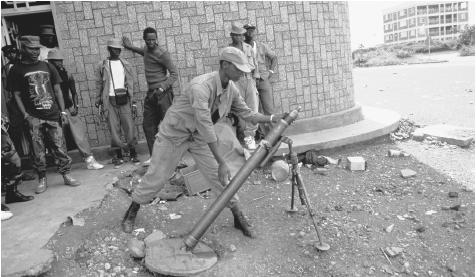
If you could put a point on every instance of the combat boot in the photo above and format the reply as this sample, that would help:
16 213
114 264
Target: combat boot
133 155
241 222
130 217
13 195
42 185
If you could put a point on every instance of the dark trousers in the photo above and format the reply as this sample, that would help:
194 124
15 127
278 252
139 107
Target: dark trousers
156 105
45 131
11 162
120 117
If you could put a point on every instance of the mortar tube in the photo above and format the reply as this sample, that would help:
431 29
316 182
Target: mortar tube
220 203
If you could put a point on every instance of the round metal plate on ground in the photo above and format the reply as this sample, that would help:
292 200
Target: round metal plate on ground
169 257
322 246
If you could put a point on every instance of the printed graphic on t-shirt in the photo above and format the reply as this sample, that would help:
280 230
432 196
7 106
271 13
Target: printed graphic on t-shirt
39 89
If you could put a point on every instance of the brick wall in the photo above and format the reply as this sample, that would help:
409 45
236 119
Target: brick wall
311 39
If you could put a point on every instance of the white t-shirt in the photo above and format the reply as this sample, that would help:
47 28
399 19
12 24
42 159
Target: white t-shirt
117 71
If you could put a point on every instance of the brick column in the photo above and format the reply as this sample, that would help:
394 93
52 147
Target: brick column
311 39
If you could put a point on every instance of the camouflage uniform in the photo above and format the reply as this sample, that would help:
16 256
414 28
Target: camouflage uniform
11 163
51 131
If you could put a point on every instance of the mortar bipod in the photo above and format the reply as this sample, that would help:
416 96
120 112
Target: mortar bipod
296 182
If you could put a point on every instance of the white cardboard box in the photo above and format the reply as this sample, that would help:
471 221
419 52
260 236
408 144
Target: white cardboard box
356 163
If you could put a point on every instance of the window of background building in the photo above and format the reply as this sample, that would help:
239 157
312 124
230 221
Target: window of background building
448 7
433 9
463 16
421 32
434 31
421 10
462 6
448 18
433 20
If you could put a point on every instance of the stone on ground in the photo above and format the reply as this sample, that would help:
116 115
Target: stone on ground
446 133
136 248
407 173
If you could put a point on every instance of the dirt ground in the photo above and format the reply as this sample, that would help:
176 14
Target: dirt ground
353 208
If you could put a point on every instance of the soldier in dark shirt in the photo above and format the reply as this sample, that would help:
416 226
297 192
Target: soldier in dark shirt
16 130
160 73
32 82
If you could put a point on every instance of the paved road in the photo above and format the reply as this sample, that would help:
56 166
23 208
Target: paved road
425 93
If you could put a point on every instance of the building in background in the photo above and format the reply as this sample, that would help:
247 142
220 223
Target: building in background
415 21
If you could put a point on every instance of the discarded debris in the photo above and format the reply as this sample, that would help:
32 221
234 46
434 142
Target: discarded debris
430 212
385 254
174 216
454 207
332 161
407 173
405 129
321 170
258 198
313 157
389 229
421 229
338 208
397 153
139 230
453 194
393 251
356 163
76 221
257 183
232 248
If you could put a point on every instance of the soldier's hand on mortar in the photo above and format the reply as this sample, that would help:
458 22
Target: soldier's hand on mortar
224 174
278 116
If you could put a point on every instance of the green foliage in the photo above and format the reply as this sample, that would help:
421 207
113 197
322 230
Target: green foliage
466 37
466 50
402 53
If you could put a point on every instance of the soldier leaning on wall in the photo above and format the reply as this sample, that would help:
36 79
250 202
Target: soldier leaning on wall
267 62
115 85
160 74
